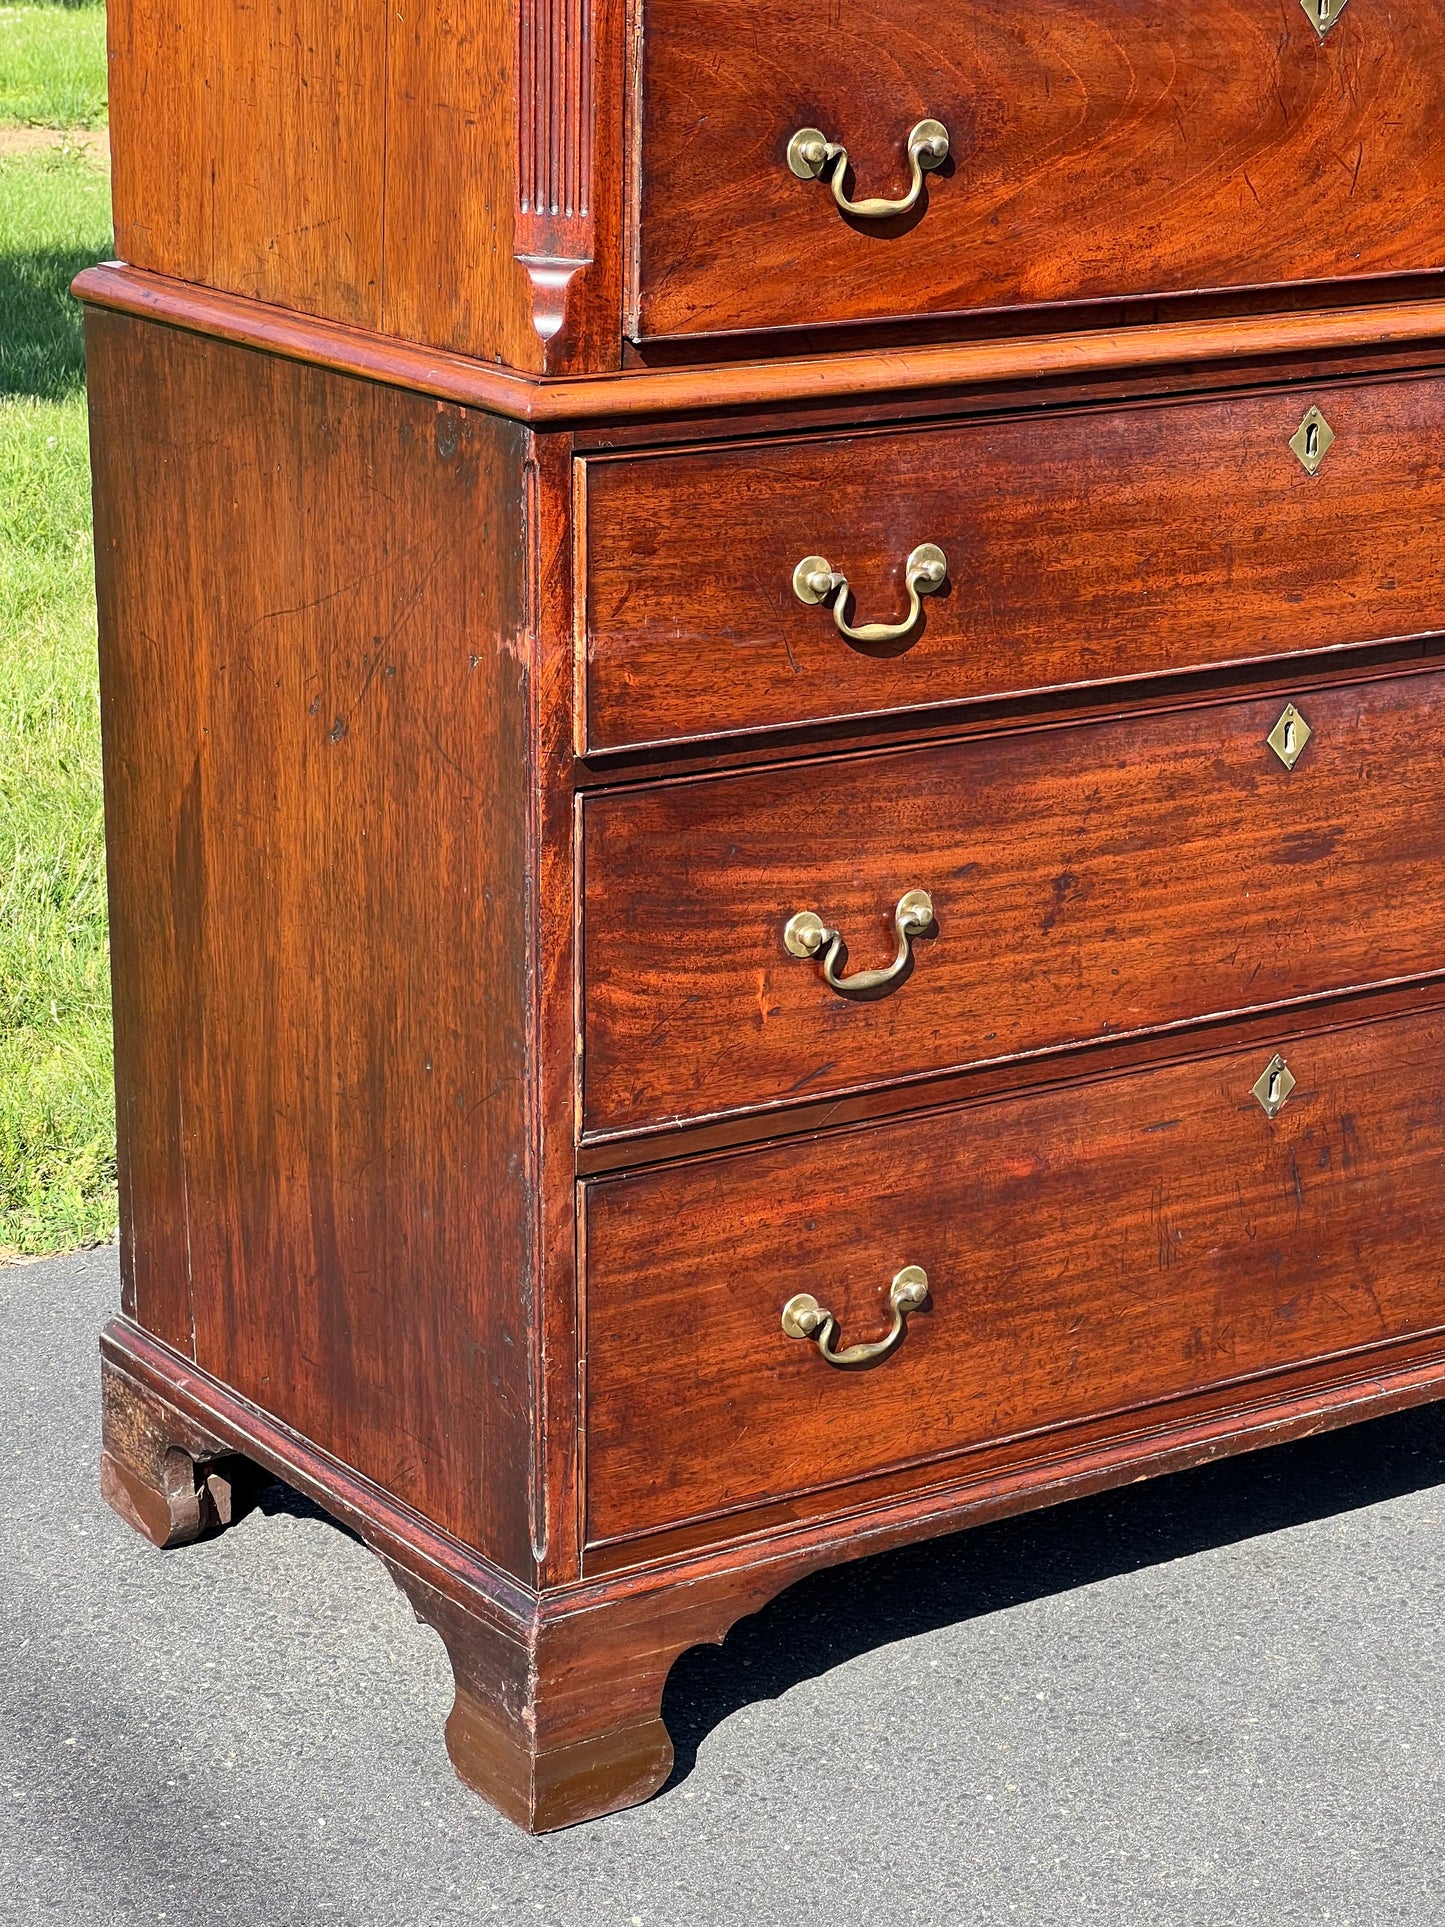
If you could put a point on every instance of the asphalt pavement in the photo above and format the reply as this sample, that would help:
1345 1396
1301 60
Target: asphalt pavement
1214 1699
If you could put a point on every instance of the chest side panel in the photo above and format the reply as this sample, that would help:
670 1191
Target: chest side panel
315 707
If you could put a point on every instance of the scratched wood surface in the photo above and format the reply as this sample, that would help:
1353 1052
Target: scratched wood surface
316 763
1087 1249
1119 148
248 149
1088 881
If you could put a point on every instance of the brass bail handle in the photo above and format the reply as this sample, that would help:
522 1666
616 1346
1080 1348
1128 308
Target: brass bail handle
924 573
805 934
804 1317
811 153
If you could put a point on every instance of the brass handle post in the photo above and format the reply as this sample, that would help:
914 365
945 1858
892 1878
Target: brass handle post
811 154
805 934
804 1317
815 580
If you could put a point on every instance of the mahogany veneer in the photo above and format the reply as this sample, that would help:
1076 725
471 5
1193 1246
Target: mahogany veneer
470 756
1084 546
1118 148
1093 1252
1076 880
539 181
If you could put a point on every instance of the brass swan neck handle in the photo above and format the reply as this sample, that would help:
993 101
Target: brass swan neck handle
924 573
811 153
805 934
804 1317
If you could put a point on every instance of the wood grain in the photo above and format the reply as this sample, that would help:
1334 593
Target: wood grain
503 207
248 147
1089 881
451 233
1121 148
599 1156
314 680
398 973
1088 1250
1083 548
162 1474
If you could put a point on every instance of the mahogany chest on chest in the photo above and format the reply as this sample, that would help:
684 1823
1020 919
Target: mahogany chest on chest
772 689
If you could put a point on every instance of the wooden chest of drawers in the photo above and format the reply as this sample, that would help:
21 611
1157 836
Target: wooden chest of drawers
774 864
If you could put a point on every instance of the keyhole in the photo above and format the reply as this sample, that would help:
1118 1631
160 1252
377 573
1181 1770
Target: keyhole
1275 1080
1289 737
1324 13
1312 433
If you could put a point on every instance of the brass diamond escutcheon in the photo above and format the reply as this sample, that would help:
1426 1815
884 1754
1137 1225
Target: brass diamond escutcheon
1323 13
1311 441
1288 737
1273 1085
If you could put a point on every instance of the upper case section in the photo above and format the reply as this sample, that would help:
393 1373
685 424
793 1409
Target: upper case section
1120 148
473 178
448 174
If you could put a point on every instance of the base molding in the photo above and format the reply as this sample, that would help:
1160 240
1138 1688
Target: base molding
557 1716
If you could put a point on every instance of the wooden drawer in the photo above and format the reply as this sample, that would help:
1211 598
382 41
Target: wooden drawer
1083 547
1088 880
1115 149
1088 1250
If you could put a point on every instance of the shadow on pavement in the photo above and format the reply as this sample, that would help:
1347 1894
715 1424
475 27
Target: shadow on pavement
852 1609
864 1604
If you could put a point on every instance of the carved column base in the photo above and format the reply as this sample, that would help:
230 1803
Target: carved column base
551 279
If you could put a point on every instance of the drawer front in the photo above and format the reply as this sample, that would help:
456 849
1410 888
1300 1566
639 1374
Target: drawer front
1087 881
1082 547
1111 150
1087 1250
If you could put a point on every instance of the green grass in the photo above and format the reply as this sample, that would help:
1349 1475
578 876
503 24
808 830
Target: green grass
52 66
54 220
57 1159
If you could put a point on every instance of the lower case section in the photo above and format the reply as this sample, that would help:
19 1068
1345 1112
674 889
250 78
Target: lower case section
557 1715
